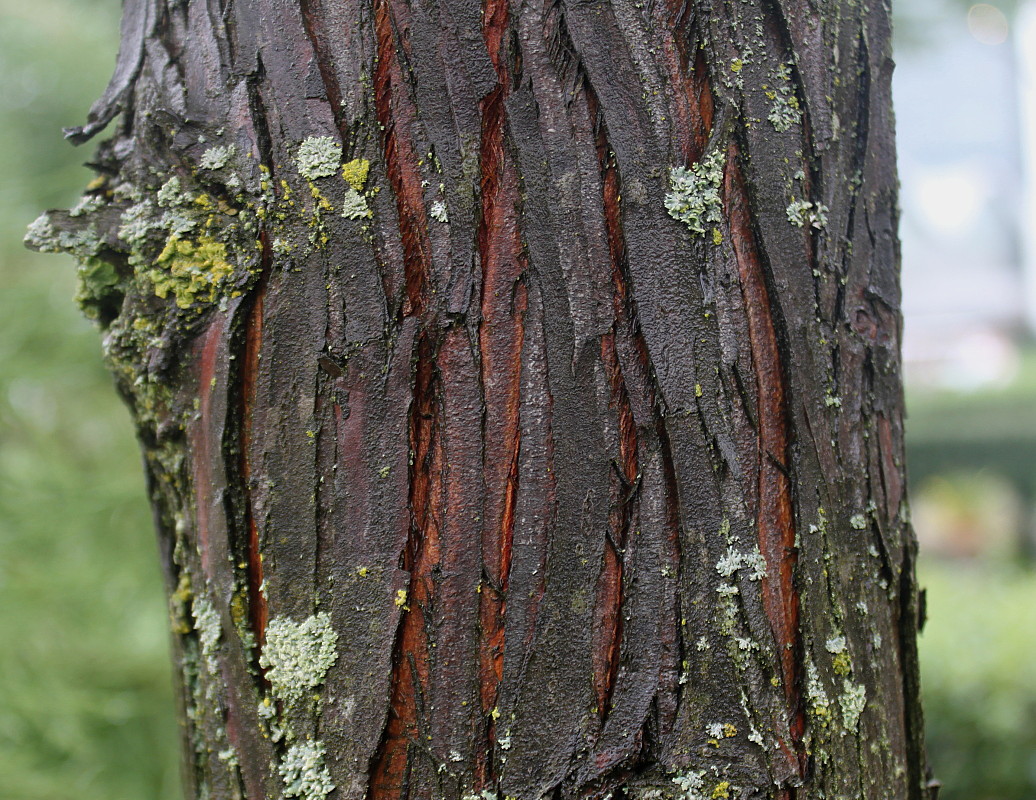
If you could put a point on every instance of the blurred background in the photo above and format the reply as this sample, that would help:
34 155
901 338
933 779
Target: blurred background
86 709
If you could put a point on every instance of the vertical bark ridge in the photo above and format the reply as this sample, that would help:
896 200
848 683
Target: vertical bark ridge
396 115
684 61
501 334
608 606
775 517
390 770
323 60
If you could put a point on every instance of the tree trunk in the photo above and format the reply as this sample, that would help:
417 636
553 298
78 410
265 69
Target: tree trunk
519 390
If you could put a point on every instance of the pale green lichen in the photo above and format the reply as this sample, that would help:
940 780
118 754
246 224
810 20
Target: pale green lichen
858 521
746 645
304 772
818 699
691 784
206 622
228 757
835 645
40 235
721 730
734 560
171 194
803 212
438 211
318 157
178 223
217 157
87 204
192 271
785 110
852 701
355 205
137 222
297 655
693 197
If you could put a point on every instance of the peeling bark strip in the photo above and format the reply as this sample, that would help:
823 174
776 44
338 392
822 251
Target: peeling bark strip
519 390
774 519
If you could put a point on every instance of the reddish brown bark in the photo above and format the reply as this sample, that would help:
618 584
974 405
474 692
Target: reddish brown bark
572 473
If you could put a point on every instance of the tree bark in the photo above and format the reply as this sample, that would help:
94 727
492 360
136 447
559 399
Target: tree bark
519 391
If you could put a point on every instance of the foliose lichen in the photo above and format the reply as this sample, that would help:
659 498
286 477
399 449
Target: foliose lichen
304 772
852 701
318 157
217 157
819 704
803 212
355 173
355 205
785 110
192 271
693 197
297 655
206 622
438 211
691 784
733 560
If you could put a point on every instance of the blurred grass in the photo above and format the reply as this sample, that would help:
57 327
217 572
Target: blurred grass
86 707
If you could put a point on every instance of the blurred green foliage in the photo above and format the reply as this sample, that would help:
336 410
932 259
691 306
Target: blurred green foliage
978 670
86 707
86 704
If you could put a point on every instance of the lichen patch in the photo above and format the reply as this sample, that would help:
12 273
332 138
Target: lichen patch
192 271
802 213
304 772
297 655
217 157
355 205
355 173
693 197
318 157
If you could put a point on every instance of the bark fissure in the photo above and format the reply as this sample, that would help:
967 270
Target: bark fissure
396 116
252 346
410 675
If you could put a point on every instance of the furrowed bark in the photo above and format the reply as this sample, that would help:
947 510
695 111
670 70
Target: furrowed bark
519 389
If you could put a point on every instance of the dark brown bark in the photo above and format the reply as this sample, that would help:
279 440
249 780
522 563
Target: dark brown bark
519 389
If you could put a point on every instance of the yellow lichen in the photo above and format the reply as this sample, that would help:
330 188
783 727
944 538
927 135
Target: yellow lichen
191 270
355 173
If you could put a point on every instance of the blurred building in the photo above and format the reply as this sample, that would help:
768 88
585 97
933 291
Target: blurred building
964 157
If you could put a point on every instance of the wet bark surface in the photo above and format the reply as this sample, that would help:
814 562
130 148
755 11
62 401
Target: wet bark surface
488 458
